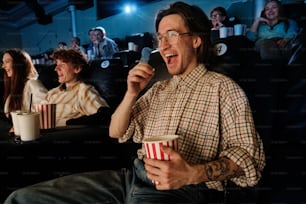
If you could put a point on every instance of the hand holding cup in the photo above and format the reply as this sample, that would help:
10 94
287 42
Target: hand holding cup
153 146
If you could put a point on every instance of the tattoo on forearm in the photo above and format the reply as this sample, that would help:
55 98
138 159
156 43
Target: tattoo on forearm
221 169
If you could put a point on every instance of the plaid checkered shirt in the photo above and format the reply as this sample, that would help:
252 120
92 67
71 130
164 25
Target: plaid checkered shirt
212 116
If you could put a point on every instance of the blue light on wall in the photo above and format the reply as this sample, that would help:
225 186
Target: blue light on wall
106 8
129 8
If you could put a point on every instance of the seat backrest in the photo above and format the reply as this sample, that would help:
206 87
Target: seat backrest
141 39
108 76
47 75
297 12
230 55
128 57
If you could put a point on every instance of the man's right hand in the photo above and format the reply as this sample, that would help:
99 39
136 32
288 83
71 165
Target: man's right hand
139 77
137 80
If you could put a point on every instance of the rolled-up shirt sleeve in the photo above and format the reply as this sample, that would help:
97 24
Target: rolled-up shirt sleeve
252 164
242 143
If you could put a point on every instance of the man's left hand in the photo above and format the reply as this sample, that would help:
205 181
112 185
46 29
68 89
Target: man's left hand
171 174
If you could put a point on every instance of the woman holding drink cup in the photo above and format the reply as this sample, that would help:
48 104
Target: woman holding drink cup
209 112
21 86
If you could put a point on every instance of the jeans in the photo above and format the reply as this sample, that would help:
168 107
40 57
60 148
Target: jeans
269 50
108 186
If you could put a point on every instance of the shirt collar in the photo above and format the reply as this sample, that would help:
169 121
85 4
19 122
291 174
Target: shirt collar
70 86
190 79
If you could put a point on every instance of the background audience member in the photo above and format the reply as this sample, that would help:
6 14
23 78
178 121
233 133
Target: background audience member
218 17
20 82
106 47
92 35
195 104
73 97
62 45
76 44
272 32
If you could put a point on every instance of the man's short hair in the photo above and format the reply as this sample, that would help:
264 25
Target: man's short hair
100 29
91 29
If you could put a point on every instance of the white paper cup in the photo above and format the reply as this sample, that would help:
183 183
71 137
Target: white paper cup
223 31
135 48
230 31
28 126
239 29
16 122
131 46
90 55
47 119
153 146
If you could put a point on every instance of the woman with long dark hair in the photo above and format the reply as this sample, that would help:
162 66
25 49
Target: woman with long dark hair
21 85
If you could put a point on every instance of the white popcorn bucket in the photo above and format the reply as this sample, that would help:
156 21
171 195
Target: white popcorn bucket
47 119
153 146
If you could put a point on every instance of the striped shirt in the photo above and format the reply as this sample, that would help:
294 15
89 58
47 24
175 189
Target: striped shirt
212 117
75 101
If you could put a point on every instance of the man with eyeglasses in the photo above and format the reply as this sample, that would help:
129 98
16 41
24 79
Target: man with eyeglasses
218 17
210 113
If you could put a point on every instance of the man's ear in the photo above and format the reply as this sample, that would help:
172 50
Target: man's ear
77 69
197 41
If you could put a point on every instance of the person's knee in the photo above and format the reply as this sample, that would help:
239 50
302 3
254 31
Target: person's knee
18 196
269 50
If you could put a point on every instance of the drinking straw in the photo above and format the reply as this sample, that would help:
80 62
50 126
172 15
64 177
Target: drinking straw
30 103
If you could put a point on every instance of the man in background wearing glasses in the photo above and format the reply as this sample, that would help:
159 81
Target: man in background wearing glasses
218 17
210 113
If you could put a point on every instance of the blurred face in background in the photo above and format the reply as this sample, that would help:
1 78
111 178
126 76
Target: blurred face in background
7 61
74 42
216 19
272 10
100 35
62 46
92 36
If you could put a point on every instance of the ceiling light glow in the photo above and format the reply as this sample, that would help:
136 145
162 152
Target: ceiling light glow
129 8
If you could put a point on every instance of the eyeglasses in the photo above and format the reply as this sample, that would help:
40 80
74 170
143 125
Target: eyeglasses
214 16
171 36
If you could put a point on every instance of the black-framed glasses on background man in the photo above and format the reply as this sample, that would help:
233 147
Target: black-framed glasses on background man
214 16
171 36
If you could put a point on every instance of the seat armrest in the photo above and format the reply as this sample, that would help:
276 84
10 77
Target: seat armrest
102 117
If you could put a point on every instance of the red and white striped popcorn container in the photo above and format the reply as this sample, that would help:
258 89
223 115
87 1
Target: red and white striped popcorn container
153 146
47 118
